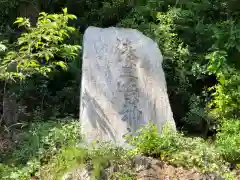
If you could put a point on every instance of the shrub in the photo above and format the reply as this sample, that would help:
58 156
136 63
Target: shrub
177 149
228 140
50 149
197 120
38 145
97 159
41 49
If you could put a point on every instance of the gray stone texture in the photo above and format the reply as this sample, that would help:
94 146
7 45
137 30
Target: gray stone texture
123 84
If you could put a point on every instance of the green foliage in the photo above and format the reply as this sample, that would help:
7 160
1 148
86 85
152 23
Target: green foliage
176 59
105 155
6 12
43 98
199 40
197 120
41 49
51 149
177 149
66 160
221 61
177 65
226 102
228 140
55 151
2 47
37 146
95 158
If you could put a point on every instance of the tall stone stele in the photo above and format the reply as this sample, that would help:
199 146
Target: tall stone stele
123 84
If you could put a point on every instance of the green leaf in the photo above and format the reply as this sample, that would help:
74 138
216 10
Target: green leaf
70 16
47 57
2 47
19 20
43 14
65 10
62 64
44 41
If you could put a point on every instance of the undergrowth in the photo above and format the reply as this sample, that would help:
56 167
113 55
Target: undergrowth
39 143
52 150
228 141
175 148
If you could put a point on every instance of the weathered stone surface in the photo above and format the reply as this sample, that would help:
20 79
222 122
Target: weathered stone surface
123 84
148 168
77 174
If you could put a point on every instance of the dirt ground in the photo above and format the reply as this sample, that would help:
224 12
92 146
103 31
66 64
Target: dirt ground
152 169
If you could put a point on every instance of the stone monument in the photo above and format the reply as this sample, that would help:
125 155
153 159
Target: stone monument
123 84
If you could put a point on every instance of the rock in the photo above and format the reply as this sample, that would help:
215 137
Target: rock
123 84
77 174
146 168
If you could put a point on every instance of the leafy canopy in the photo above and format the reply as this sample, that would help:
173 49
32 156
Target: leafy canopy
41 49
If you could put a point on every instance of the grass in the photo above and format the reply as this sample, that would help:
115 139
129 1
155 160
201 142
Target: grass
51 149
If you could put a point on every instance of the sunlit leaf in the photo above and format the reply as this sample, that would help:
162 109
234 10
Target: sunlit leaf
65 10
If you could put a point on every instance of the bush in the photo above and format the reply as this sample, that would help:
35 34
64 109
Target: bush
50 149
197 120
198 39
38 145
96 159
179 150
41 49
228 140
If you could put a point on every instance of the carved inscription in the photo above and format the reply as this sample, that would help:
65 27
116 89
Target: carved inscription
128 84
123 85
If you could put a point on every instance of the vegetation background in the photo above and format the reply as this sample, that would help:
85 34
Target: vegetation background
40 70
